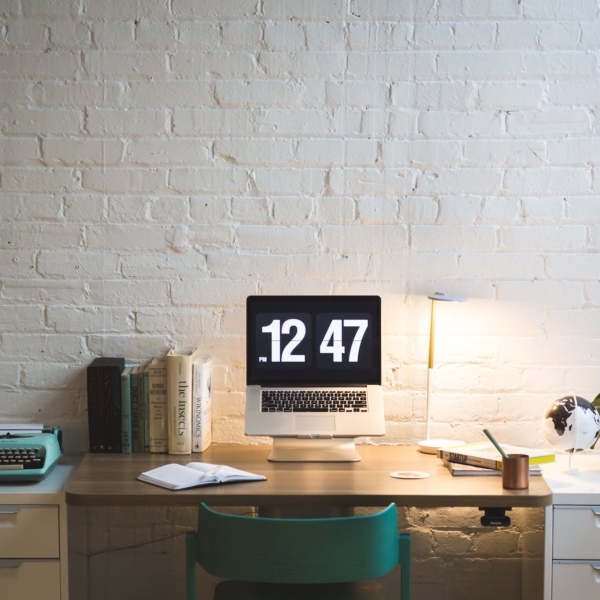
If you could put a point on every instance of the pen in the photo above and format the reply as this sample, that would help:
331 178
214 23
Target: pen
498 446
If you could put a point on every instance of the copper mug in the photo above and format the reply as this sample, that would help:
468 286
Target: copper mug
515 472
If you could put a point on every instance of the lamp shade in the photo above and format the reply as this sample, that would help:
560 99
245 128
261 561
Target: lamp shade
446 298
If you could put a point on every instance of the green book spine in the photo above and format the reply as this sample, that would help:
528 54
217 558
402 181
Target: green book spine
141 427
146 410
135 410
126 410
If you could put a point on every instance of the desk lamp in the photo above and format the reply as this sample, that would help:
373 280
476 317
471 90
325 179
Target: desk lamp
428 445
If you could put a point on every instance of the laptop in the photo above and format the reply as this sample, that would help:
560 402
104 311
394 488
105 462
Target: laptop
313 368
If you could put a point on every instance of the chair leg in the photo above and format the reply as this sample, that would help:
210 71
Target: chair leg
405 583
404 560
190 566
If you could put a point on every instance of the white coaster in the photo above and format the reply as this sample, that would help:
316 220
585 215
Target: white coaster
409 474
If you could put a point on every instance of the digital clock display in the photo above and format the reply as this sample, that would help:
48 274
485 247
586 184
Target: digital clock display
313 339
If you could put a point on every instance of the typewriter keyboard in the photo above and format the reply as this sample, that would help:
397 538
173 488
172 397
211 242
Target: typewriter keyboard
18 458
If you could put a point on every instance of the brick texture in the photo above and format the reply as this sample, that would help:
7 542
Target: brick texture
161 160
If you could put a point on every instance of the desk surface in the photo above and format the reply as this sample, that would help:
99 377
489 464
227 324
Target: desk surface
110 480
580 485
48 491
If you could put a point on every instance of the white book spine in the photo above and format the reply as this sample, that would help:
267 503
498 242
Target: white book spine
202 417
179 401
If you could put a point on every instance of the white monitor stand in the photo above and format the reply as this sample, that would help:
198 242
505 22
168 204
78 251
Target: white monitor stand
293 449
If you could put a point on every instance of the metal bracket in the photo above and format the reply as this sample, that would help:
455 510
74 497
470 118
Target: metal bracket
495 517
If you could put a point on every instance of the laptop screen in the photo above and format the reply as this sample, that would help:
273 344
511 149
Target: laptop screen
313 340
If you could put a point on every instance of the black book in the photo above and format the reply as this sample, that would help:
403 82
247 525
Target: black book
104 404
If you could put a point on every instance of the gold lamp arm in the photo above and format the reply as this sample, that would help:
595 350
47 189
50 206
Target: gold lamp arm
432 335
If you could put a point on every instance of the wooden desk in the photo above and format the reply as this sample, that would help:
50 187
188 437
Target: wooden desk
110 480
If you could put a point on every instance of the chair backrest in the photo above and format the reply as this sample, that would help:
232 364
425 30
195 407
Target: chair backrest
298 550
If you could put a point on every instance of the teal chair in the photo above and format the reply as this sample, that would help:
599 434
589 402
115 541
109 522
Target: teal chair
267 558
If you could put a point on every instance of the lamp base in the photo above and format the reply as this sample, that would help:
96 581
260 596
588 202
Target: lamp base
432 446
313 450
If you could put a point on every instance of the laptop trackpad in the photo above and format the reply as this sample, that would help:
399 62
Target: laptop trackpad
312 424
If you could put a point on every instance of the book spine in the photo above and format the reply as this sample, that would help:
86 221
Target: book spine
141 408
135 411
146 410
465 459
159 438
540 460
95 423
104 408
202 389
126 411
179 399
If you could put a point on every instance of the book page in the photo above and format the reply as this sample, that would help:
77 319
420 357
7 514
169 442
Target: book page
488 450
20 428
175 475
531 452
202 466
222 472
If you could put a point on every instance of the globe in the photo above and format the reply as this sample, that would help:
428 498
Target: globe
571 424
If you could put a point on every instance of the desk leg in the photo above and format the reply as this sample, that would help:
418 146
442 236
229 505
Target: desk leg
305 512
548 535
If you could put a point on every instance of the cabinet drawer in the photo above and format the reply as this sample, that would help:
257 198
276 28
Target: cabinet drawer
24 580
29 532
577 533
580 580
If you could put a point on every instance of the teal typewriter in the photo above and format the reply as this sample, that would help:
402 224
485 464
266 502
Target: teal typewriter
28 455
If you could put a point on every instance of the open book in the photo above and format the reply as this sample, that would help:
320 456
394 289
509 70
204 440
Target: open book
178 477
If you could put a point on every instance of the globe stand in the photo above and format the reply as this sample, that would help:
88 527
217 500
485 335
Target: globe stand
571 470
576 434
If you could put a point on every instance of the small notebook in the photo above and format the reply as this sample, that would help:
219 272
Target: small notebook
179 477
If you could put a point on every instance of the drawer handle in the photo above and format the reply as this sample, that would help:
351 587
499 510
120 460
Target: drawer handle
10 564
9 511
8 518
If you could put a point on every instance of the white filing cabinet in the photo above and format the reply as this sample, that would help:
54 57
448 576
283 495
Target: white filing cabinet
33 537
572 547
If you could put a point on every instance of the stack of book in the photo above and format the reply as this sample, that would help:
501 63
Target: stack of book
484 459
162 406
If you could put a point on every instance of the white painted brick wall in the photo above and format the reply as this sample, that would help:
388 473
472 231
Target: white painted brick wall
159 161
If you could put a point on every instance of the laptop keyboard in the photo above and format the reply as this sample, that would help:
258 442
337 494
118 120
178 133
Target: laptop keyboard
313 401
